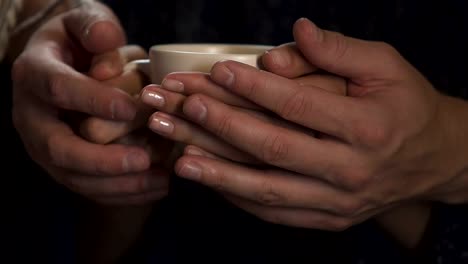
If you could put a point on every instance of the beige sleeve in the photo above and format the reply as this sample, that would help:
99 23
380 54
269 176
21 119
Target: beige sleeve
9 10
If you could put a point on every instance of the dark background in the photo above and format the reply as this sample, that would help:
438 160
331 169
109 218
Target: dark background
194 223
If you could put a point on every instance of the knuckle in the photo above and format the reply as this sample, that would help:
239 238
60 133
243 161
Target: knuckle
56 90
370 134
274 149
256 84
354 178
224 127
219 182
339 50
295 107
357 179
92 104
269 196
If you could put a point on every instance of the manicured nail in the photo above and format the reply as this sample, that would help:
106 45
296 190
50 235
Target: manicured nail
161 125
194 152
196 110
190 171
173 85
153 98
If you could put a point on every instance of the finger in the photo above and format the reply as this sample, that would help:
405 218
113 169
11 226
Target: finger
271 143
166 101
344 56
53 141
180 130
287 61
299 104
266 187
111 64
135 184
96 27
196 151
295 217
103 131
189 83
329 83
63 87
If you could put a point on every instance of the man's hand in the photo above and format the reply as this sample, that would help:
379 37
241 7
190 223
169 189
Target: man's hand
393 138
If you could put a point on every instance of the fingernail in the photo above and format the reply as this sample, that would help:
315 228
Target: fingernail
134 162
196 110
222 74
194 152
122 110
153 98
87 29
279 60
173 85
190 171
161 125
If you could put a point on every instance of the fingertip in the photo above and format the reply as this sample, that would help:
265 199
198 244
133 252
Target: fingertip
304 27
104 70
123 107
136 161
274 61
102 36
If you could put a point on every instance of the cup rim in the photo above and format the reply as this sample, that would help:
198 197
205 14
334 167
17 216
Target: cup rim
169 48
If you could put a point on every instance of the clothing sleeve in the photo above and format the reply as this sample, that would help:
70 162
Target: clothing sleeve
9 10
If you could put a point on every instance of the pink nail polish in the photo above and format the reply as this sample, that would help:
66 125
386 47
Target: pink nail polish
161 125
153 98
173 85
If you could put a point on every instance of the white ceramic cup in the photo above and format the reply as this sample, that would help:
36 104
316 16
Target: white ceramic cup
168 58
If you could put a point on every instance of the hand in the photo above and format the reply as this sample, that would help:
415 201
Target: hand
48 84
169 121
390 140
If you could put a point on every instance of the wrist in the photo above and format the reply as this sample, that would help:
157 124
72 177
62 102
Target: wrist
32 15
453 116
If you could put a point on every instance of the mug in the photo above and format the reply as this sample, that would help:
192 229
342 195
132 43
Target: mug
168 58
165 59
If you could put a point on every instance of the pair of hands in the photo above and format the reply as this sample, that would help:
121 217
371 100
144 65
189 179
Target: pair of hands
336 161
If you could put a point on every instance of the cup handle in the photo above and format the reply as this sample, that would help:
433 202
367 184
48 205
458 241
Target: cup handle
144 66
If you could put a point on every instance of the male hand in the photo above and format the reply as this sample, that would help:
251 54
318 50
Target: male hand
393 138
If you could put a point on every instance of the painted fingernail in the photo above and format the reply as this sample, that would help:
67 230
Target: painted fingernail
222 74
161 125
173 85
196 110
134 162
194 152
190 171
153 98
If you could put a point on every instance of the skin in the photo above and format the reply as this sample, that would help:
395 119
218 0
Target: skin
392 139
406 223
49 84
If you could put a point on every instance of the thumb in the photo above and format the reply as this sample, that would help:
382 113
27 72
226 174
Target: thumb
344 56
96 27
